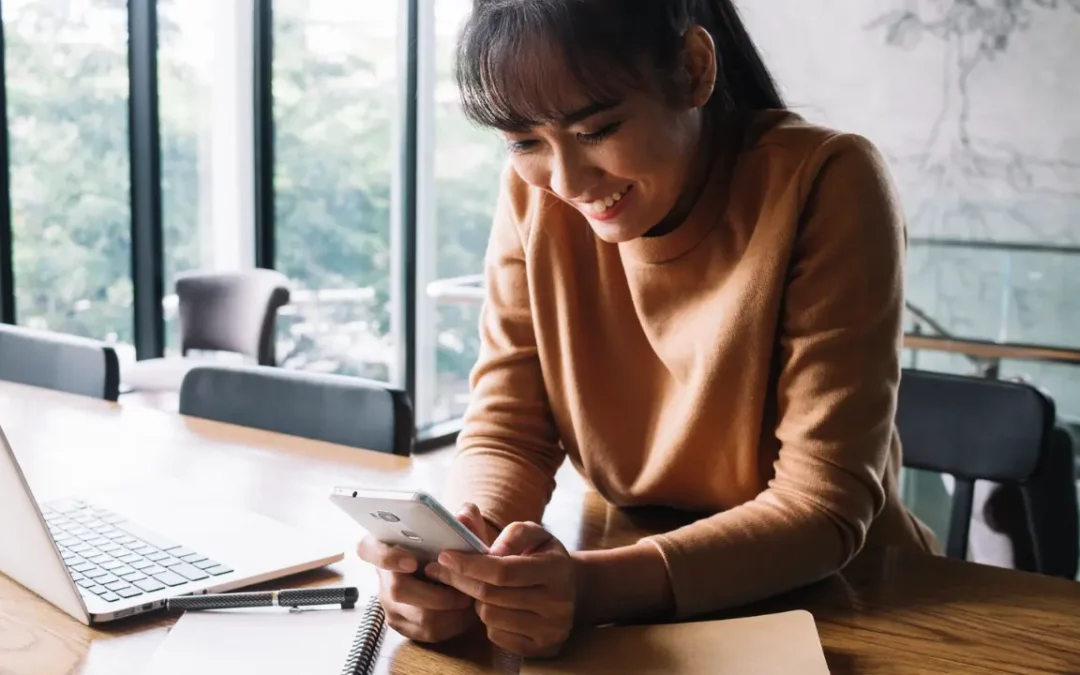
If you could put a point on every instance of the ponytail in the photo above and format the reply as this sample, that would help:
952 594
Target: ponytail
743 82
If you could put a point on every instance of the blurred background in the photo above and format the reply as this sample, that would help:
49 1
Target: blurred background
322 138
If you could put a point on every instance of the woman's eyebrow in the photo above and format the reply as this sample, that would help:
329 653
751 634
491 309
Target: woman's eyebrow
571 118
582 114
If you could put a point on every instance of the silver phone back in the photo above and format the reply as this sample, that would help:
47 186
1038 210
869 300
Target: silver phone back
410 520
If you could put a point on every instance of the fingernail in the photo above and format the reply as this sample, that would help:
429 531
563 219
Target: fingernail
447 561
434 571
407 565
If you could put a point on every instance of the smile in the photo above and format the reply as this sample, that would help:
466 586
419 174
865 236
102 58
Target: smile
608 207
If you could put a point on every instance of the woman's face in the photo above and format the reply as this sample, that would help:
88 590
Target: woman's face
623 165
626 164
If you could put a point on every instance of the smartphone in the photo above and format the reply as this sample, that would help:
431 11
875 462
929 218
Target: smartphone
414 521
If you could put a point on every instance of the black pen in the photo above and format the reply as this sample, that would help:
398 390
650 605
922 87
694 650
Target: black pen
298 597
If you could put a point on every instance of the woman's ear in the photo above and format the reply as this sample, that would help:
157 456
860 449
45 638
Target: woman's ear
699 63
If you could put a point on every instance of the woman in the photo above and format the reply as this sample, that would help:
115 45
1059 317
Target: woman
695 295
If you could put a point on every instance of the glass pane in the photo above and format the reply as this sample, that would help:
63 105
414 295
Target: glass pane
335 87
1023 296
185 75
67 87
458 193
1019 296
929 497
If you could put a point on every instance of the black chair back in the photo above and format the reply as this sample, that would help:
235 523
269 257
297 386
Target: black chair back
980 429
333 408
58 361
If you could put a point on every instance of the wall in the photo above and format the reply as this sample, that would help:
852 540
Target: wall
976 105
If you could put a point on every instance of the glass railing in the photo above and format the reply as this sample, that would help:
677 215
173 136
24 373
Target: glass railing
998 309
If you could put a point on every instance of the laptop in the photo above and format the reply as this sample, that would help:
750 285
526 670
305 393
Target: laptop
100 562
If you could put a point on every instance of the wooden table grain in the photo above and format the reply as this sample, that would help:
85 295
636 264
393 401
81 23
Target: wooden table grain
888 612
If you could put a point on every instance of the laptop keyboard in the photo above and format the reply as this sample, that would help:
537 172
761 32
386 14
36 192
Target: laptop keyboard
113 558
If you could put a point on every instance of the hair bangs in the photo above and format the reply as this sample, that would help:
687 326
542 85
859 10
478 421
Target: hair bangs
521 65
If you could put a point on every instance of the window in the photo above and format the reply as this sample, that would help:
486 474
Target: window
205 82
67 87
336 91
185 69
459 181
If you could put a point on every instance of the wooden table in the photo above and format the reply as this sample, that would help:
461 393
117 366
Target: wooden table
888 612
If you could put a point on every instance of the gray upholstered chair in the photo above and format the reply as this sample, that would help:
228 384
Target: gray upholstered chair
58 361
333 408
221 312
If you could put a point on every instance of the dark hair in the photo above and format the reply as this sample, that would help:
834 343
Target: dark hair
607 46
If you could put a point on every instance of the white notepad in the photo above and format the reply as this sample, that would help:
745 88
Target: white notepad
270 641
772 644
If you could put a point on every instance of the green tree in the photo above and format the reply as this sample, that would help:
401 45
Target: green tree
67 89
335 112
181 93
333 164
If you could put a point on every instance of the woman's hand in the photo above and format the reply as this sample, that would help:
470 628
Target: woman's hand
417 609
525 590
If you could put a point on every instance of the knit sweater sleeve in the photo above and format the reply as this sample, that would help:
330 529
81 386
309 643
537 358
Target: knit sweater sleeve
838 367
508 449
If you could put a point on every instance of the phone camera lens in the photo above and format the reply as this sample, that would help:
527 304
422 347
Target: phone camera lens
354 493
389 517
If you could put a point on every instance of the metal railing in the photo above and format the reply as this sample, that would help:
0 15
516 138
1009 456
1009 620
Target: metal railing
992 245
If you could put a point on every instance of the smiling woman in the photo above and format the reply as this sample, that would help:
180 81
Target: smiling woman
685 300
629 99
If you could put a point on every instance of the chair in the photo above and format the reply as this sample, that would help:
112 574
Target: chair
333 408
977 429
58 361
218 311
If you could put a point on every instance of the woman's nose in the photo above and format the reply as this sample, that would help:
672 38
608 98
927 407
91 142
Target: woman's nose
570 177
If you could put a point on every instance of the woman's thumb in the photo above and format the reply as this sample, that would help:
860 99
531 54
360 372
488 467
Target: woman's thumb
469 515
520 538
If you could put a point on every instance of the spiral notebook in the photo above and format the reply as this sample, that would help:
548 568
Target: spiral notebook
323 641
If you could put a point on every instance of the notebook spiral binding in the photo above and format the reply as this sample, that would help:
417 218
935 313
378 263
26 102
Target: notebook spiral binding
368 640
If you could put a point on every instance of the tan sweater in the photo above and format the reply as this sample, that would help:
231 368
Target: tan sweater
744 365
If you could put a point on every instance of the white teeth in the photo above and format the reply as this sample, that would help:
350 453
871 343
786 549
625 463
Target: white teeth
601 205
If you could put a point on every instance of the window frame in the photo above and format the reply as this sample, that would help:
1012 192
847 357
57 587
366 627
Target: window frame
144 148
7 266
